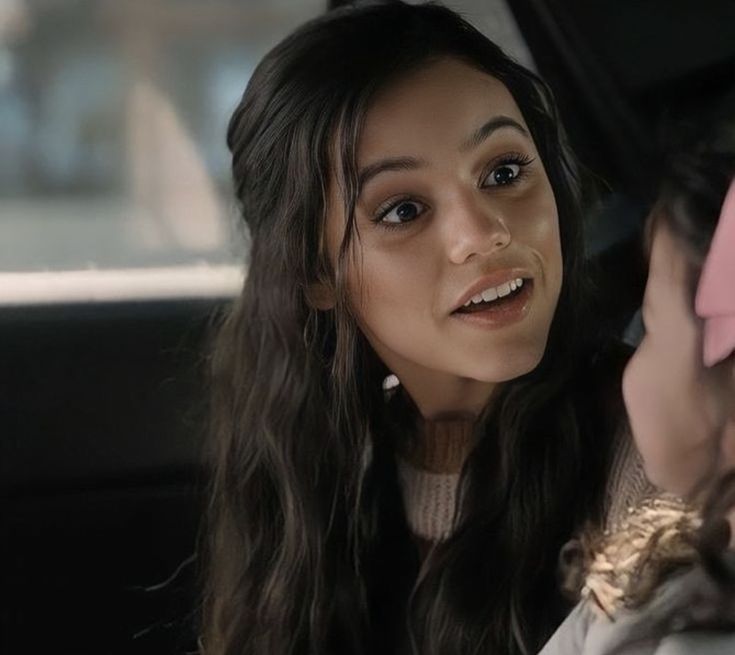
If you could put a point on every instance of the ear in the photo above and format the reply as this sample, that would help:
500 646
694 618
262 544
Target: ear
320 295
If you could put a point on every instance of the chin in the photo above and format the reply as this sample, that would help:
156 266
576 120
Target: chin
509 368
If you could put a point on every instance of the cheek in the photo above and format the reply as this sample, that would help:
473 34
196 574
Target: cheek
636 384
556 254
548 246
534 225
392 297
542 234
668 430
645 395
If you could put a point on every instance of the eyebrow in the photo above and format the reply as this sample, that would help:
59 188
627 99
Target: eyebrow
494 124
411 163
391 164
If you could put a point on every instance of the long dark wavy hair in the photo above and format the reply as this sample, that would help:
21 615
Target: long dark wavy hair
308 547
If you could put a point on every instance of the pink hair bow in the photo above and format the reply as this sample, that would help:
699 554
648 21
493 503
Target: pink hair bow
715 301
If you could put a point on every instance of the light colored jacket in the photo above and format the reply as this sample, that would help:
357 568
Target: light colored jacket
690 614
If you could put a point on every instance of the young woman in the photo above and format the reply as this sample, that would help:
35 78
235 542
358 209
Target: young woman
665 582
414 215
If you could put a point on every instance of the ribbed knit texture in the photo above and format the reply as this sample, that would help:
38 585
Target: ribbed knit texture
428 470
429 500
627 483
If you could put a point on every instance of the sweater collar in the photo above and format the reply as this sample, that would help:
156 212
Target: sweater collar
440 444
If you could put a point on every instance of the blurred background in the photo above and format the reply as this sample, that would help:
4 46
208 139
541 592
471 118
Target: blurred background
112 124
113 165
112 133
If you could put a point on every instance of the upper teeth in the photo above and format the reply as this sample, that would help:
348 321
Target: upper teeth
493 293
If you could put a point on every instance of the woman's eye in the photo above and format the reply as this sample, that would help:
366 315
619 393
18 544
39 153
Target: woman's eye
502 175
402 212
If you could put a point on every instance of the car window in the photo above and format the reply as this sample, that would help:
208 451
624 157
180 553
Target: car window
114 174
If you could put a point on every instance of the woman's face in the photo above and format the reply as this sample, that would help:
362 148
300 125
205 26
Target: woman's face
673 411
454 207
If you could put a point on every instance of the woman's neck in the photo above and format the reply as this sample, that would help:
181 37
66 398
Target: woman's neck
437 394
441 444
429 465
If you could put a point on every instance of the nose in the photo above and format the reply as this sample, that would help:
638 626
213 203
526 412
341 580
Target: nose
474 228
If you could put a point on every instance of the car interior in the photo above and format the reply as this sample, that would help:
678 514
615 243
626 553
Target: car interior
103 399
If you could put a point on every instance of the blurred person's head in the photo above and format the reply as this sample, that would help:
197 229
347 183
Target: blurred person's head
679 388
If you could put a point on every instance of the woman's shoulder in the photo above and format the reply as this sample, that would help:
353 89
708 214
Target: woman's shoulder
690 612
698 612
624 637
571 636
701 643
663 627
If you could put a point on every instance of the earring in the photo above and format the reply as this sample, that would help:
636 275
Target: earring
390 382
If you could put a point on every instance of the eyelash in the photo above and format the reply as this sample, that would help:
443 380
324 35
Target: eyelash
513 158
510 159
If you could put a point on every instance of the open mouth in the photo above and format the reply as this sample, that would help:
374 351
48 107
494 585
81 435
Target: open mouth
498 298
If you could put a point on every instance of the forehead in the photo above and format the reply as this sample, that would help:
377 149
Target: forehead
444 101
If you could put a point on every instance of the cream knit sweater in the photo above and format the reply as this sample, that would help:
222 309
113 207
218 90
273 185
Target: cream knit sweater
429 470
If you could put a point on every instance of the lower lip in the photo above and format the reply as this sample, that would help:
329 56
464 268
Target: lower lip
509 312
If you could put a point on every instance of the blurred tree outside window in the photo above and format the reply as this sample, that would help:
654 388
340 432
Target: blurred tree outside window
113 117
113 162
